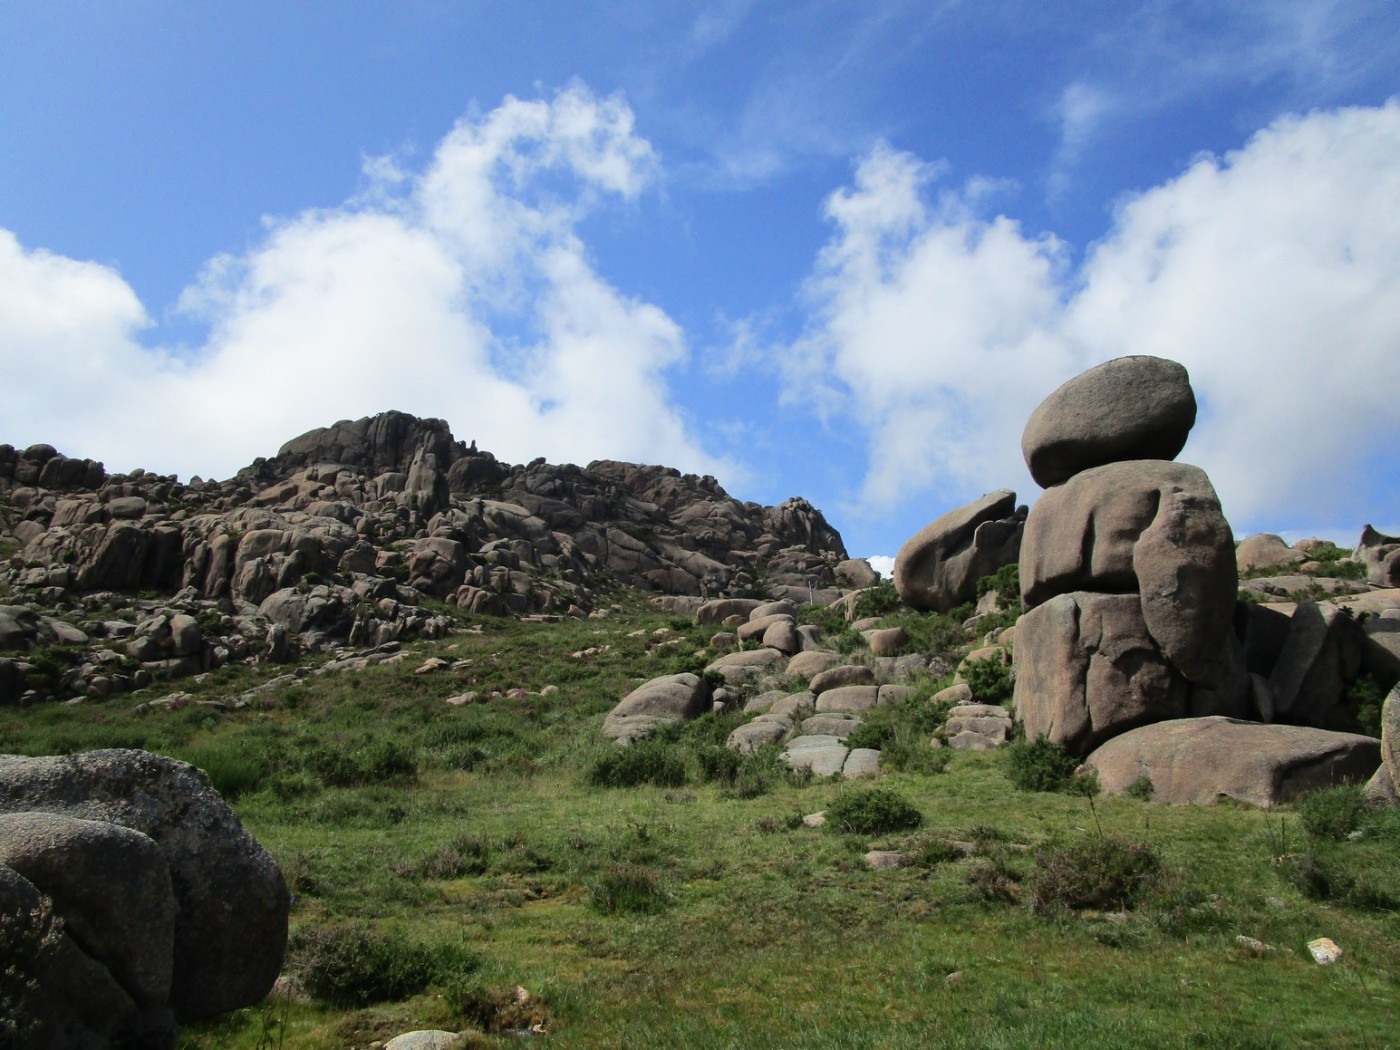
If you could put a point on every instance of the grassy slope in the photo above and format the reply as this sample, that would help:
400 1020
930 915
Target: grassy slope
772 934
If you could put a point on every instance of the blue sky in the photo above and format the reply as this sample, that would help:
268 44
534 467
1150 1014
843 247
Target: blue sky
831 249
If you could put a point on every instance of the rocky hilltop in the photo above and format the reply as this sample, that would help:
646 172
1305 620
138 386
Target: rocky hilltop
342 537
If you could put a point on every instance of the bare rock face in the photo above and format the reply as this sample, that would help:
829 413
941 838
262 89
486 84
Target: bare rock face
56 994
939 567
231 903
1266 550
1148 526
1087 669
662 701
1198 760
1127 408
1321 654
1381 556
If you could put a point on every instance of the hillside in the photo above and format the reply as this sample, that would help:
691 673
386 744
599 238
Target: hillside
357 535
476 866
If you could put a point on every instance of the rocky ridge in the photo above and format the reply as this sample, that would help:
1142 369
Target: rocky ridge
110 581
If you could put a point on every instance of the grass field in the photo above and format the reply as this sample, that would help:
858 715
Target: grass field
456 867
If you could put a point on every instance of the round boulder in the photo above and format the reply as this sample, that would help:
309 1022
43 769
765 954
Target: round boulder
662 701
1127 408
231 901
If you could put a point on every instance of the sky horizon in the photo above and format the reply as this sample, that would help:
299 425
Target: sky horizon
825 249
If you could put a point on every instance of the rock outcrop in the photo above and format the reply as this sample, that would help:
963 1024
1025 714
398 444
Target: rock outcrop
1127 565
341 538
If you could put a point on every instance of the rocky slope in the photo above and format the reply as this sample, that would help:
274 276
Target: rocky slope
110 580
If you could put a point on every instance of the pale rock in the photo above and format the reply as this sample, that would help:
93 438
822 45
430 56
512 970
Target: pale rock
1197 760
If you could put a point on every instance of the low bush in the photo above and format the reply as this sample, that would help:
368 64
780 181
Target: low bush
1332 813
656 762
27 940
1140 789
877 600
1040 765
1335 875
464 855
1103 872
624 888
989 679
355 965
872 811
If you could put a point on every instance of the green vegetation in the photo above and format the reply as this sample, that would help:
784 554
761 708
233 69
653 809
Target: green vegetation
481 866
989 679
1040 765
872 811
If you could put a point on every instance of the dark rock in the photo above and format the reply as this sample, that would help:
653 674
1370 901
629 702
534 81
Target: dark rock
1127 408
231 923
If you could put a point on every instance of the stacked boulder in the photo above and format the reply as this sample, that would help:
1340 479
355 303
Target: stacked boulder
1127 563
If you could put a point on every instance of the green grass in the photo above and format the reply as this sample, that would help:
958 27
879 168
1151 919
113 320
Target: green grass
467 849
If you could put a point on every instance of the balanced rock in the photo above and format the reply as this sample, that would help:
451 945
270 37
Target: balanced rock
1127 408
1197 760
938 568
662 701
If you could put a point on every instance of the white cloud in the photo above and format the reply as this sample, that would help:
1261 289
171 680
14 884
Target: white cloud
883 564
1272 273
462 292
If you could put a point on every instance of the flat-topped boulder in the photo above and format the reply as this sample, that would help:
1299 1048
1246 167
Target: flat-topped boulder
1198 760
1128 408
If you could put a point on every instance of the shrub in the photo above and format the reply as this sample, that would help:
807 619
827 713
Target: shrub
627 888
1363 700
720 764
1140 789
877 600
1006 581
464 855
655 762
1332 813
27 940
354 966
1101 872
872 811
989 679
1040 765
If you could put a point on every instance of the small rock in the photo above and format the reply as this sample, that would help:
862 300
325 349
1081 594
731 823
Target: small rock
814 820
1254 947
428 666
883 859
1324 951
